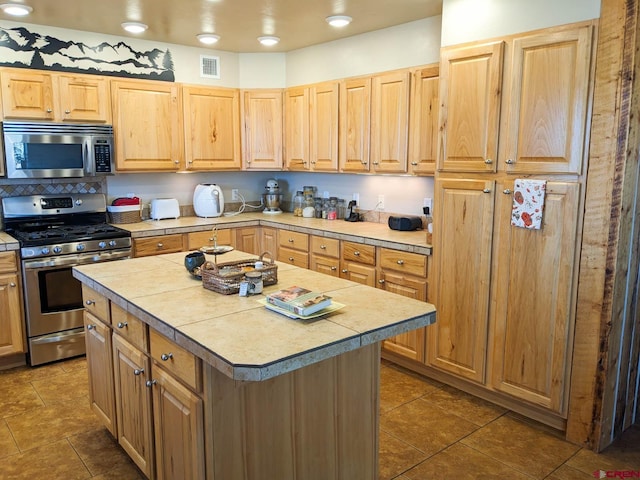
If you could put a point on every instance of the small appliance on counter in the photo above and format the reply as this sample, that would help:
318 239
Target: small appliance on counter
405 223
208 200
272 198
164 208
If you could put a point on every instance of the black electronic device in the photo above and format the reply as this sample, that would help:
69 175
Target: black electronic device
352 215
405 223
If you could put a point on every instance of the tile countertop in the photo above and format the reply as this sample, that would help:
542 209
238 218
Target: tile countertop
239 336
377 234
7 242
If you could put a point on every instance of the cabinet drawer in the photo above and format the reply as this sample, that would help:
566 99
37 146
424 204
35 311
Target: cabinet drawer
357 252
195 240
295 240
181 363
293 257
129 327
143 247
327 265
95 303
8 262
406 262
329 247
357 272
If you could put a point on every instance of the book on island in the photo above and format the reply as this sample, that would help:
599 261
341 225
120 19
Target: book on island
299 300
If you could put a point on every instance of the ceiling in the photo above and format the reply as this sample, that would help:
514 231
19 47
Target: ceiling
298 23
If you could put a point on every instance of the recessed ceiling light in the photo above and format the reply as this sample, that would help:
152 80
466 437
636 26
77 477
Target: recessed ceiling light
338 20
16 9
134 27
208 38
268 41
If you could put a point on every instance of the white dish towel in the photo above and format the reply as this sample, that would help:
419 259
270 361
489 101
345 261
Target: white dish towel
528 203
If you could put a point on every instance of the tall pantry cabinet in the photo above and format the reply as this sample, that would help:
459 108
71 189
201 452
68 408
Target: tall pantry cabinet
512 108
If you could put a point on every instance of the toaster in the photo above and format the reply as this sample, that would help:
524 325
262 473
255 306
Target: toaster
164 208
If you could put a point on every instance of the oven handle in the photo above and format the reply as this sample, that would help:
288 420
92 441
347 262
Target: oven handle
76 259
69 336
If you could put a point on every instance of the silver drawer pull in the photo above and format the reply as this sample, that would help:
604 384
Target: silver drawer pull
400 262
90 327
323 247
12 284
488 161
166 356
381 281
291 240
122 324
486 190
151 383
138 371
356 253
160 244
291 259
88 303
49 110
509 161
506 191
334 268
344 270
67 112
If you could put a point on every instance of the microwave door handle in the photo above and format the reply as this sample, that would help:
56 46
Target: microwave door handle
88 158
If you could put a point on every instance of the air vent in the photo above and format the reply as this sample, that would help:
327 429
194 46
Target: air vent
209 66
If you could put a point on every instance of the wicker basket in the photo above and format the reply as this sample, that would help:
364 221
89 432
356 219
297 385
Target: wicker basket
225 278
125 214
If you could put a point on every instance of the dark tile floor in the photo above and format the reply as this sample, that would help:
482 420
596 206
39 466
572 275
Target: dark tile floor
427 431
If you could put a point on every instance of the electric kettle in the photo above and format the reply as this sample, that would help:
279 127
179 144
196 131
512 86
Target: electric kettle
208 200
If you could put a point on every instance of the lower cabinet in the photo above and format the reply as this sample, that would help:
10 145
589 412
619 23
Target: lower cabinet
11 322
157 245
248 239
325 255
293 248
358 263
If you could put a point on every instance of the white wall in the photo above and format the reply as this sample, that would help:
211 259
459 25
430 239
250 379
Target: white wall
262 70
407 45
472 20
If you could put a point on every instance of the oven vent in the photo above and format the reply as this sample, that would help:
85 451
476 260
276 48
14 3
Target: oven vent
209 66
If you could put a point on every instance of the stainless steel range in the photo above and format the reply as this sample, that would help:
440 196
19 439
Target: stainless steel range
56 233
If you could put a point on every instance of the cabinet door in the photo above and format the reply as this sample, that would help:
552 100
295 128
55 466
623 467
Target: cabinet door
296 132
27 95
390 122
357 272
179 429
196 240
326 265
100 371
470 86
11 333
211 128
548 102
147 126
262 116
133 404
534 297
84 98
355 125
248 240
423 123
463 235
269 241
323 126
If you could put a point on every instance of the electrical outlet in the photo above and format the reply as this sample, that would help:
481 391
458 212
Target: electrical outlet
380 205
235 194
356 198
427 202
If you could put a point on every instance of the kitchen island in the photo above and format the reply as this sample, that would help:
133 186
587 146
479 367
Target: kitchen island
195 384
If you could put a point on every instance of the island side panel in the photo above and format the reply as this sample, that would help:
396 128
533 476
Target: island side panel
319 422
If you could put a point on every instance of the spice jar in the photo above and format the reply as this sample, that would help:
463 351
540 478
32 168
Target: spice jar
332 212
298 204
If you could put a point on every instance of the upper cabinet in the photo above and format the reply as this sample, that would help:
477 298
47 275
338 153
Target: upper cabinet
147 123
296 128
423 121
262 129
355 125
211 128
34 95
544 104
390 122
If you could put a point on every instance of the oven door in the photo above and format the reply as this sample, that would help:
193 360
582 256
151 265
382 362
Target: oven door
53 301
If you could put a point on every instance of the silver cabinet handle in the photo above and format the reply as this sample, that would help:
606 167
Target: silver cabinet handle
67 112
291 240
381 281
323 247
90 302
400 262
177 162
138 371
151 383
333 269
486 190
291 259
509 161
488 161
12 284
506 191
90 327
49 110
356 253
166 356
414 163
344 270
160 245
122 324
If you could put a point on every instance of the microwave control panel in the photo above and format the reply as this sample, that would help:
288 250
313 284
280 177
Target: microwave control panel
102 155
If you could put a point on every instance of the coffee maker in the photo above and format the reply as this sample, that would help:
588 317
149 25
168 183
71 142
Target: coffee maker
272 198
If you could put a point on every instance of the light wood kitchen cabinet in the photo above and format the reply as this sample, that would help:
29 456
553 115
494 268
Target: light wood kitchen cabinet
404 273
390 122
11 322
224 236
325 255
296 131
358 263
211 128
423 121
354 125
293 248
269 241
248 239
39 95
323 126
463 240
100 371
534 284
133 404
147 121
262 129
156 245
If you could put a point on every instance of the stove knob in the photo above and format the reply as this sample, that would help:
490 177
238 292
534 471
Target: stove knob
57 249
80 247
102 244
112 243
45 251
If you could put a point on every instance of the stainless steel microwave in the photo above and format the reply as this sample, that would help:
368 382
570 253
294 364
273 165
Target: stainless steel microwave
55 150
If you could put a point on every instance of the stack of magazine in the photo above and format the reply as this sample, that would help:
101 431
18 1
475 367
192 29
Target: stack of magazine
299 302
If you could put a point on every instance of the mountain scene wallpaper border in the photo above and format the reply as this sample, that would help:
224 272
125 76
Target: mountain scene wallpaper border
24 49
